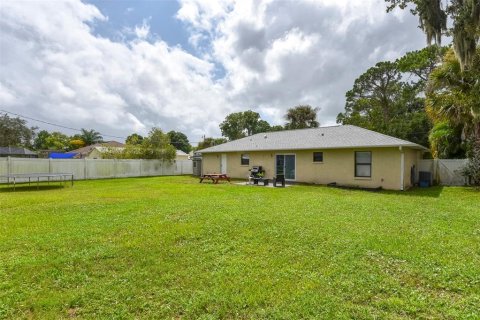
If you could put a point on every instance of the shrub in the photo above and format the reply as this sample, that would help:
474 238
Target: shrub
472 169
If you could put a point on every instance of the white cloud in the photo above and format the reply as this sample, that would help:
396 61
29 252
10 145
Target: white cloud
203 14
142 31
275 54
76 78
293 43
278 54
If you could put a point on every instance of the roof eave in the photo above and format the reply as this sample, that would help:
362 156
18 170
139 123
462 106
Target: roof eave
413 146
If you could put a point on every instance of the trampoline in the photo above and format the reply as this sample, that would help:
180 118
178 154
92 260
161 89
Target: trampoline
35 177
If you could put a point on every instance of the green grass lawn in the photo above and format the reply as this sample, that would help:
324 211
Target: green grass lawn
169 247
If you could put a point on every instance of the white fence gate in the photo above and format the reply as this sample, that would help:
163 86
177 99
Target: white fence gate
96 168
446 172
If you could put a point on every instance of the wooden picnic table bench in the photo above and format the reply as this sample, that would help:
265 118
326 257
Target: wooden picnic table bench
215 177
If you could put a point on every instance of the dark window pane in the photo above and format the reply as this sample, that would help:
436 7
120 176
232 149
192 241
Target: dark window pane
245 159
280 164
363 164
318 157
290 167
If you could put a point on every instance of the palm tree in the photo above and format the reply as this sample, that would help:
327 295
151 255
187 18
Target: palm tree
446 141
90 136
453 95
302 116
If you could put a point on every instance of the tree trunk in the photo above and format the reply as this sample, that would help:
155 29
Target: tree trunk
476 134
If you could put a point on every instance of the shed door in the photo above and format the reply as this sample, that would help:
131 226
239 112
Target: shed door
223 164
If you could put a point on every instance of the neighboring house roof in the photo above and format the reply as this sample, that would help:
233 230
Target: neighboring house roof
334 137
181 153
16 151
99 146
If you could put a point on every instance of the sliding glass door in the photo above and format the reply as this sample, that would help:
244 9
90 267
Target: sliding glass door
285 164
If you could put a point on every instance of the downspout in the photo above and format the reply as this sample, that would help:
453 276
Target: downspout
402 168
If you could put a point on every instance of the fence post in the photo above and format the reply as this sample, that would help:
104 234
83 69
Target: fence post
9 169
85 171
49 165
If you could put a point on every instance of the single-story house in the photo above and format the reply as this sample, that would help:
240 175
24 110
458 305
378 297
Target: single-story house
96 150
345 154
17 152
182 155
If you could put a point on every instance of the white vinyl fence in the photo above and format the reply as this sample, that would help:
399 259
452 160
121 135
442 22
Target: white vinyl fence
96 168
446 172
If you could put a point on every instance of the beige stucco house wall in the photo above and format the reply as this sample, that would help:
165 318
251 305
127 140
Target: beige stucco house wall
181 157
98 152
338 166
94 154
412 158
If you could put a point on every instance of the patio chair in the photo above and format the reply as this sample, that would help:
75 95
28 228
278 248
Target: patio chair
280 178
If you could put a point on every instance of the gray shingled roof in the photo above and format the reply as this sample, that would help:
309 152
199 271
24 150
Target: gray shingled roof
334 137
16 151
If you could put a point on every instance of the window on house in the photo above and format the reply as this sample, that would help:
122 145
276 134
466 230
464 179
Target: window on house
363 164
318 157
244 159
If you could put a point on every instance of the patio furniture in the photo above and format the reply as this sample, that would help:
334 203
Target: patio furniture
280 178
256 172
265 181
215 177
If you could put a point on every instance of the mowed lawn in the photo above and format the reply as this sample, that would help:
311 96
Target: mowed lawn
169 247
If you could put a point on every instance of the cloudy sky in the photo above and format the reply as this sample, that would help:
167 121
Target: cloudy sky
125 66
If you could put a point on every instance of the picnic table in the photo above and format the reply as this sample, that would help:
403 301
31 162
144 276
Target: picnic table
215 177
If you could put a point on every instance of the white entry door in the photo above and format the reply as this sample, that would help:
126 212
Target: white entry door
223 164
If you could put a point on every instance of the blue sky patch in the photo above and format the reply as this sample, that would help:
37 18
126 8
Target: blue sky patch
160 15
